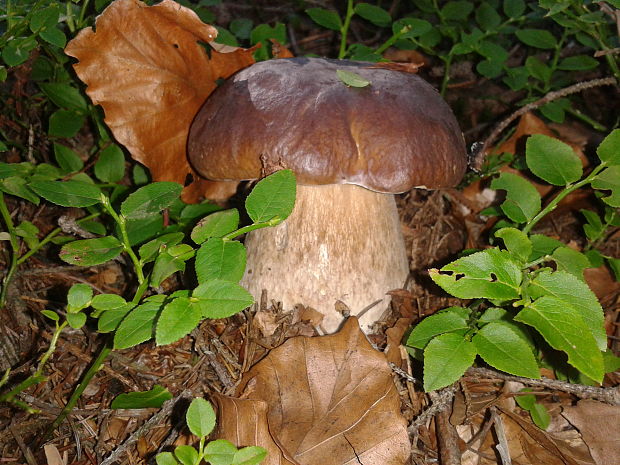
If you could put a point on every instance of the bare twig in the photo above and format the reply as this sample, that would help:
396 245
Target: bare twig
551 96
447 438
441 401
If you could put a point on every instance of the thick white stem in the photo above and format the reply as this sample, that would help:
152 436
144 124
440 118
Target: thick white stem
342 242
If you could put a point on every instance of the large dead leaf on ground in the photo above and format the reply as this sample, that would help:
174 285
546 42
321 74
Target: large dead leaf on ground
146 67
598 424
326 400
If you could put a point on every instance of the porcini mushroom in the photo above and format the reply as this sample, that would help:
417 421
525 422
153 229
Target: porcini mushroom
351 149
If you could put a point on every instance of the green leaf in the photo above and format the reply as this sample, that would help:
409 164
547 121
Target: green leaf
448 320
556 110
250 455
552 160
28 232
538 69
241 27
457 11
614 264
411 27
575 294
527 401
166 458
79 297
138 326
326 18
143 229
262 33
487 17
51 315
489 69
54 36
218 259
200 417
67 159
187 455
503 348
67 193
609 150
65 123
217 224
273 198
64 95
375 14
44 18
543 245
514 8
219 452
538 38
102 302
221 299
540 416
446 358
611 361
144 399
224 36
169 262
564 329
570 260
8 170
492 51
517 243
594 227
89 252
148 252
111 318
17 50
110 166
76 320
489 274
522 199
578 63
150 199
178 318
352 79
609 179
17 186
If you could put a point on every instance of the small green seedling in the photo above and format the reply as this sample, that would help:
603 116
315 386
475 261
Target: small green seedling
531 287
200 419
538 412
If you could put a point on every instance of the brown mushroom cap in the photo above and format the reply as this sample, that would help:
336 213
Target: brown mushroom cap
390 136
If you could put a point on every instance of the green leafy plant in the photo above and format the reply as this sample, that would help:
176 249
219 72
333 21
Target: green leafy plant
200 419
530 288
538 412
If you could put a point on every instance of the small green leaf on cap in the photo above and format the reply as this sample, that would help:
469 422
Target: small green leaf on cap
352 79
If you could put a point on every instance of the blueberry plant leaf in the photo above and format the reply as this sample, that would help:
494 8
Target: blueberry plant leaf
170 261
200 417
166 458
352 79
221 299
503 348
609 150
67 193
446 358
564 329
543 245
138 326
150 199
522 199
575 294
79 297
18 186
219 259
89 252
250 455
217 224
448 320
609 179
187 455
326 18
516 242
375 14
67 159
273 198
149 251
177 319
570 260
219 452
552 160
490 274
109 319
110 166
142 399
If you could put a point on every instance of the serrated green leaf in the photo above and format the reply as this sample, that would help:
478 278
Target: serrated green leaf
564 329
552 160
375 14
487 17
457 10
609 150
166 458
217 224
65 123
489 274
522 199
502 347
200 417
148 252
187 455
448 320
108 320
219 452
67 193
76 320
570 260
110 166
79 297
575 294
352 79
578 63
538 38
103 302
137 326
514 8
170 261
609 179
64 95
67 159
517 243
218 259
326 18
221 299
18 187
543 245
540 416
250 455
143 399
273 198
178 318
150 199
446 358
89 252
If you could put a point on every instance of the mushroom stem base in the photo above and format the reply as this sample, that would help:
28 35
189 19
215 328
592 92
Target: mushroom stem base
341 243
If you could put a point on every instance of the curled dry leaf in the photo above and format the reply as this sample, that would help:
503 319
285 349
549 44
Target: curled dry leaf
148 68
327 400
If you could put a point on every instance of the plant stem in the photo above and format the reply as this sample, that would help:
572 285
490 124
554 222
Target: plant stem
344 30
249 228
567 190
10 227
586 119
446 76
80 23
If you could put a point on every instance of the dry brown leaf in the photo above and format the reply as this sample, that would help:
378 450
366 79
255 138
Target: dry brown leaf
52 455
598 424
327 400
145 66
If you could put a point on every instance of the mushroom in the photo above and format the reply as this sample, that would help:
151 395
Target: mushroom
351 149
